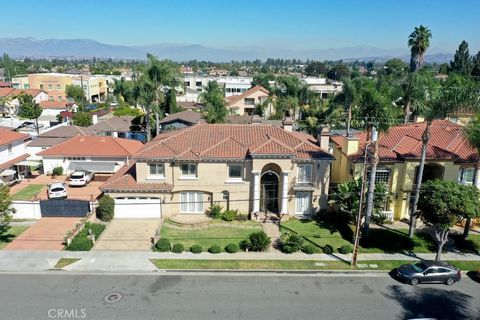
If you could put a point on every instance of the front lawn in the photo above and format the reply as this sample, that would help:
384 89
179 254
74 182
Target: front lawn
29 192
8 233
63 262
81 242
469 245
213 233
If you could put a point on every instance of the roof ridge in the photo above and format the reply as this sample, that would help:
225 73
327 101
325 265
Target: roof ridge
117 141
186 151
215 145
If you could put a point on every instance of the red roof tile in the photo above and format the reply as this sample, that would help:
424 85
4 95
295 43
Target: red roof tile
8 136
62 105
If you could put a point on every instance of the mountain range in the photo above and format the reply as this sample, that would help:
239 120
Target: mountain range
86 48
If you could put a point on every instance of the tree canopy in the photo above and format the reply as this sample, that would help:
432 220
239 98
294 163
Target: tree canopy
214 101
76 93
418 41
29 108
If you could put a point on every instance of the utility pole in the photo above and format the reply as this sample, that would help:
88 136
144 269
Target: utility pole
371 182
349 120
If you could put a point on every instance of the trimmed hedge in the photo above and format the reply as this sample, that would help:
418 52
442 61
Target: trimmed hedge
215 249
106 208
328 249
309 249
196 249
346 248
178 248
163 245
57 171
231 248
229 215
81 242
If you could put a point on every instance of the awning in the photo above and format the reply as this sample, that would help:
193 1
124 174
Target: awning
94 166
7 172
29 163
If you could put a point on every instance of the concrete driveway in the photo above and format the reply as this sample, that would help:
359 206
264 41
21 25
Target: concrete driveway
45 234
128 234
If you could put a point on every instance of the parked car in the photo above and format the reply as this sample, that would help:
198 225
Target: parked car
81 178
428 271
57 190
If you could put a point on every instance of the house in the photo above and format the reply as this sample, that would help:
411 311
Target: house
180 120
94 153
449 157
13 155
323 87
5 84
12 103
53 137
246 102
250 168
119 127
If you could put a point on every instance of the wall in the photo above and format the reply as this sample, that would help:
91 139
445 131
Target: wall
50 162
18 149
26 209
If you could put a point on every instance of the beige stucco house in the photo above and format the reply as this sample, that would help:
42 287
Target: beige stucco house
251 168
245 103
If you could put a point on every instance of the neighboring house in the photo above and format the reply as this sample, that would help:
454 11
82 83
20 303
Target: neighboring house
189 105
12 156
449 157
252 168
53 137
4 84
97 154
119 127
180 120
323 87
246 102
11 104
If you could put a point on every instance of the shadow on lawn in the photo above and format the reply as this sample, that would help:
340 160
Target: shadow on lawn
465 245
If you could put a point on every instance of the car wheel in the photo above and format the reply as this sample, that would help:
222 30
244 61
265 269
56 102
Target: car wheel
450 281
414 281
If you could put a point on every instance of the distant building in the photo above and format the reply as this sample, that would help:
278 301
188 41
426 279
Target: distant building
195 85
247 102
322 86
180 120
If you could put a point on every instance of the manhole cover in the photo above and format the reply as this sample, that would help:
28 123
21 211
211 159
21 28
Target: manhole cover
113 297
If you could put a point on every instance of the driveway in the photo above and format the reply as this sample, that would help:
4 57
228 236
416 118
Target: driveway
128 234
45 234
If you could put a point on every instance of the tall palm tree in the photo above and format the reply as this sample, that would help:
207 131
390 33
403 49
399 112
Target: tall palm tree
418 41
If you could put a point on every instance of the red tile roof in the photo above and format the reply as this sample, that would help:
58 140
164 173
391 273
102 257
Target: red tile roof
94 146
405 142
12 162
230 141
5 84
62 105
8 136
234 99
6 92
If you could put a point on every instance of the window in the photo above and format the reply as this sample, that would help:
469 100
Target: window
382 176
59 87
187 83
304 173
76 158
235 171
51 98
157 169
41 87
191 202
49 87
189 169
198 83
60 98
303 202
466 175
249 101
26 86
10 148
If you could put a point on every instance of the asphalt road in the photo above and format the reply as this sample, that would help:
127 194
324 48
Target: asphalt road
225 296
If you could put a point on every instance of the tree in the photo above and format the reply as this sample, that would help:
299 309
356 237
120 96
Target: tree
29 109
418 41
171 103
316 69
6 209
318 112
262 79
476 66
8 66
82 119
214 101
462 63
339 72
395 68
127 111
443 204
76 93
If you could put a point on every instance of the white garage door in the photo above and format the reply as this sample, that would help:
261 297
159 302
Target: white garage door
137 208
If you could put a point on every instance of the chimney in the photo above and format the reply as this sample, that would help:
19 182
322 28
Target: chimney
350 145
287 124
94 119
323 137
418 118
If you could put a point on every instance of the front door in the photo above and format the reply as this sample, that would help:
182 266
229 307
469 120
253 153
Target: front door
269 192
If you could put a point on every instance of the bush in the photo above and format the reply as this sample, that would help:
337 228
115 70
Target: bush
328 249
163 245
346 248
245 244
309 249
81 242
215 211
259 241
291 242
215 249
242 217
178 248
57 171
229 215
196 248
106 207
231 248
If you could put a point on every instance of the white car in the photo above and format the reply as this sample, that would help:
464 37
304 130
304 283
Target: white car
81 178
57 190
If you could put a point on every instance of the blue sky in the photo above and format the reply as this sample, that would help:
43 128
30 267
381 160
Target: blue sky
295 24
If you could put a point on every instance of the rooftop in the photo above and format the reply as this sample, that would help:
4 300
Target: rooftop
8 136
185 116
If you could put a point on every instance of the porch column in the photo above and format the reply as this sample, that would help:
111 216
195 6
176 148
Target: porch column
256 191
284 209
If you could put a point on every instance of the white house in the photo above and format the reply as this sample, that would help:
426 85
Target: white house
12 156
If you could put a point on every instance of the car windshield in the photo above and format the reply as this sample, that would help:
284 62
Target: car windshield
56 189
77 176
419 266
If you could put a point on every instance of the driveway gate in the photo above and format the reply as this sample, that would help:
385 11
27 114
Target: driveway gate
64 208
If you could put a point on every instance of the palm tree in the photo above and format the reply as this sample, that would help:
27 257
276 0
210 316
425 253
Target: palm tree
214 101
318 112
418 41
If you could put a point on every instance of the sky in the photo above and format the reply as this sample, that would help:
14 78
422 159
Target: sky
295 24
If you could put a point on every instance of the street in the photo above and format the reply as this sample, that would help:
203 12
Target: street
232 296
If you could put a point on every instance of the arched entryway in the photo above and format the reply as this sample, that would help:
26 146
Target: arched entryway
269 184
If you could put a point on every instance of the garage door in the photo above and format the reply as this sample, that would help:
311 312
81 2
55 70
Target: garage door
138 208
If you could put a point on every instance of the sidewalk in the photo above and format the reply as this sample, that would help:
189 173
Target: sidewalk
136 261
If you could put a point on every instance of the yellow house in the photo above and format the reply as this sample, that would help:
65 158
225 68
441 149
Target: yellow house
449 157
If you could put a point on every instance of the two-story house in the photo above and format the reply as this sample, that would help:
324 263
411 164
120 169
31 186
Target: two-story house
449 157
12 153
253 168
245 103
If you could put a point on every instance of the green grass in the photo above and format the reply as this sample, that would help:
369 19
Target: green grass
81 242
8 233
29 192
469 245
209 235
63 262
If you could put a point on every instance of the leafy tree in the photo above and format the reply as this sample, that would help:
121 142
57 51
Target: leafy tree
462 62
339 72
316 69
6 209
318 112
443 68
29 109
418 41
262 79
127 111
172 101
82 119
213 99
8 66
476 66
443 204
76 93
395 68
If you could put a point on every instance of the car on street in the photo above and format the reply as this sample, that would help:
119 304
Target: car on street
428 271
57 190
81 178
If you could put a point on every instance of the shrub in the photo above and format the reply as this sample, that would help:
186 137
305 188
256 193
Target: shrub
81 241
57 171
229 215
178 248
309 249
215 211
215 249
196 248
231 248
328 249
163 245
291 242
259 241
245 244
346 248
242 217
106 208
